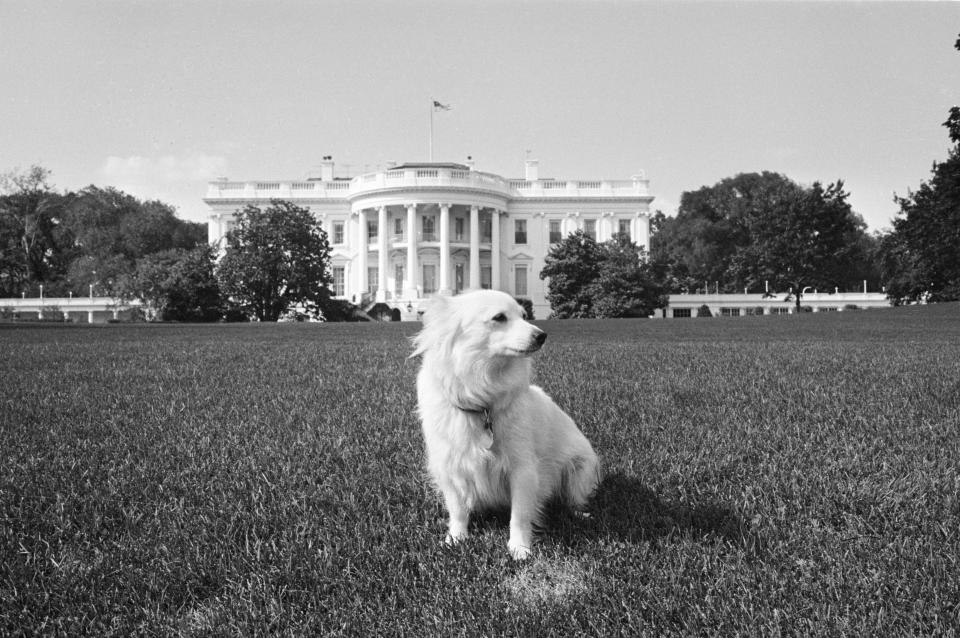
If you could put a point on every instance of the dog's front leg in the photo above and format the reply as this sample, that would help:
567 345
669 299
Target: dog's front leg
524 507
459 512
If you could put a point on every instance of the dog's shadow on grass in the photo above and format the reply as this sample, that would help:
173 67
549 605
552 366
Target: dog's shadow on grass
624 509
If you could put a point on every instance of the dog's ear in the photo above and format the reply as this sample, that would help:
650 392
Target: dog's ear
437 313
434 309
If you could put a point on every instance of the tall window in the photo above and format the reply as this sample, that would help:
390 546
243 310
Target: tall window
373 277
339 281
520 280
519 231
486 230
338 232
398 277
398 228
429 279
623 227
429 233
555 235
371 231
458 229
485 277
590 228
458 278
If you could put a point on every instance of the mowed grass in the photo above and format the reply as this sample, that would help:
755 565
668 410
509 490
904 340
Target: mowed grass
763 476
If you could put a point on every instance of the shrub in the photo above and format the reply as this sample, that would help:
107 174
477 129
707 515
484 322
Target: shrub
851 306
704 311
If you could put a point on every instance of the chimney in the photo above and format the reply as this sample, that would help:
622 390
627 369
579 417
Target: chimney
532 170
326 168
470 162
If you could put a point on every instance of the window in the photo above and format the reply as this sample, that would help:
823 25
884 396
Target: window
458 278
681 313
590 228
555 235
338 232
373 276
458 224
398 277
371 231
429 232
519 231
828 309
623 227
729 312
398 229
339 278
779 311
429 279
485 277
520 281
486 229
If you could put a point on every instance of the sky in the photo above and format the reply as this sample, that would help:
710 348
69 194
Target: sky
159 98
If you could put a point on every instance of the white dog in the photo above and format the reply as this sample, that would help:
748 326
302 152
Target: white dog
492 439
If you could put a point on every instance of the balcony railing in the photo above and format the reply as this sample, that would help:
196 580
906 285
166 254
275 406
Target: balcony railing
427 177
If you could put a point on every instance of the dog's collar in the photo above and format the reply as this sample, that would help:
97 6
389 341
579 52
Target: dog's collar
483 413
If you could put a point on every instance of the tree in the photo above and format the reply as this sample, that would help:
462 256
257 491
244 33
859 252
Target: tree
179 284
275 259
921 256
808 242
756 229
624 285
29 218
571 266
587 279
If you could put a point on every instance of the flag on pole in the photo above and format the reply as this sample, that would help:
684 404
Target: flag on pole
437 106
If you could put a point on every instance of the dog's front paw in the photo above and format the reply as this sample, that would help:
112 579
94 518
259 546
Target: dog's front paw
453 538
519 552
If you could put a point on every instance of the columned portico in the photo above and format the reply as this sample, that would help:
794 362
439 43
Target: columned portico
412 278
444 249
474 247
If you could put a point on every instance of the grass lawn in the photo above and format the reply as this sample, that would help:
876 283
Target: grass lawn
763 475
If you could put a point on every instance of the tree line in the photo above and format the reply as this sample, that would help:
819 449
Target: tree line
752 232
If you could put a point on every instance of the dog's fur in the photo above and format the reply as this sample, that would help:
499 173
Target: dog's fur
492 439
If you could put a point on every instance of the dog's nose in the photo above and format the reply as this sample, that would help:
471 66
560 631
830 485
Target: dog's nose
541 337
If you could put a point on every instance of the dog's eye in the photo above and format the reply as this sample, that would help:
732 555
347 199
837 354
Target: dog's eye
500 317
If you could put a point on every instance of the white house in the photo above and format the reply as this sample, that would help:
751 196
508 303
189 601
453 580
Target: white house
416 230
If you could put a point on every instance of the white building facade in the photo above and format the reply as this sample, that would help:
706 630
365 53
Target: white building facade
405 234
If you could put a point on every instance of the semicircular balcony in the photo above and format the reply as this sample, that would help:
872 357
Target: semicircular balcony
429 179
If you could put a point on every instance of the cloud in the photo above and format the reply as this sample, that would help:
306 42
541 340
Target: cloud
166 168
179 180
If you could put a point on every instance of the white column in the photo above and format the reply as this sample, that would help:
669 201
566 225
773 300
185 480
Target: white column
382 257
495 250
643 231
474 247
412 278
362 253
444 249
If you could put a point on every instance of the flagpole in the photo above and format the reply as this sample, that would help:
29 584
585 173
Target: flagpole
432 109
